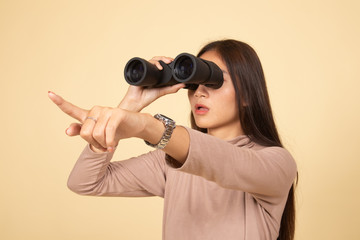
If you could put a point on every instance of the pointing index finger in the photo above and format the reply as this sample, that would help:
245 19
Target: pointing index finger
69 108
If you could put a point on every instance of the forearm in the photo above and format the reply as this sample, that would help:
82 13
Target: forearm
137 98
177 147
94 174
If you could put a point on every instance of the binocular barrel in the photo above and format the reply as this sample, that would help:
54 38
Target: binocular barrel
186 68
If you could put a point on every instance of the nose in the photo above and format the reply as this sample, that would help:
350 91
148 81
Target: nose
201 91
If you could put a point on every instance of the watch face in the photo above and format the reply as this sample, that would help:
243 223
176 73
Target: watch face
158 116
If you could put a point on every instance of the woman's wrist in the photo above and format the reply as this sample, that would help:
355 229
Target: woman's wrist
152 130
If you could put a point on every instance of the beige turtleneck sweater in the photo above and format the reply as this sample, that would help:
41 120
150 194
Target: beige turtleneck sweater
225 189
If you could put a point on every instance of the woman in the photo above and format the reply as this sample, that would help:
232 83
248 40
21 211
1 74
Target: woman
232 179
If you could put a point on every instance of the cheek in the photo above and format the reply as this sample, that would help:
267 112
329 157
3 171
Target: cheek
228 96
229 102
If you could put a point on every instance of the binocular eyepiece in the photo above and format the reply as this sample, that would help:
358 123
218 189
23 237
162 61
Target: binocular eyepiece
186 68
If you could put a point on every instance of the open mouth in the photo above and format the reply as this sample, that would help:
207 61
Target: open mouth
201 109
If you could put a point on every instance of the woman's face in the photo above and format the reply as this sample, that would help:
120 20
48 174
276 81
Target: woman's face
216 109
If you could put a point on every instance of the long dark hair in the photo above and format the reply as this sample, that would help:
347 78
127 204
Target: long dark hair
255 112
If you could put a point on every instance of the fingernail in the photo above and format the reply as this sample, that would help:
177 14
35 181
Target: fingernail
66 131
110 149
50 92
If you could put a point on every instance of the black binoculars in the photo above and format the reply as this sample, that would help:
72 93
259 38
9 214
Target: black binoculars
186 68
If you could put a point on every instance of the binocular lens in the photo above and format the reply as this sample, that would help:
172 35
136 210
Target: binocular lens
135 71
184 67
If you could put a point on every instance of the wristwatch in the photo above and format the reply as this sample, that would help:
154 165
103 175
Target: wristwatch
169 128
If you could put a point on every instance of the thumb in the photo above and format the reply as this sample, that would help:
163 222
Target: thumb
73 130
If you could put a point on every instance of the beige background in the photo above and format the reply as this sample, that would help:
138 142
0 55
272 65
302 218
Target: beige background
310 53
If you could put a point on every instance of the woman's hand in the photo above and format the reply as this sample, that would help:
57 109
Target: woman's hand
138 97
101 127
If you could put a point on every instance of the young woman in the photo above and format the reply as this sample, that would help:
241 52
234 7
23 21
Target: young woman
228 177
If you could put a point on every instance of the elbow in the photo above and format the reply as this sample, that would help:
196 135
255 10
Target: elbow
83 188
74 186
77 187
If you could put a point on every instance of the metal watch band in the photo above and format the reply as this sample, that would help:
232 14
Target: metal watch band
169 128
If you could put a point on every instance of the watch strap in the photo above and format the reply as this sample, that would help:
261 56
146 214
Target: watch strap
170 125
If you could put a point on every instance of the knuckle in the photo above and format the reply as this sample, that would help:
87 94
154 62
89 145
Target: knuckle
95 109
97 134
85 134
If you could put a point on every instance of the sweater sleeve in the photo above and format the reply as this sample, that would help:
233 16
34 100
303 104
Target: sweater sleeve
94 174
266 172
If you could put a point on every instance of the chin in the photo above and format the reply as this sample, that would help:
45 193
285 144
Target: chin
203 124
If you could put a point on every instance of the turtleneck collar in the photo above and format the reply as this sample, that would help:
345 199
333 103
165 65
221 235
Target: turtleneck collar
241 141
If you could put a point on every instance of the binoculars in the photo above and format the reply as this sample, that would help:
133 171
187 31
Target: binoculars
186 68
